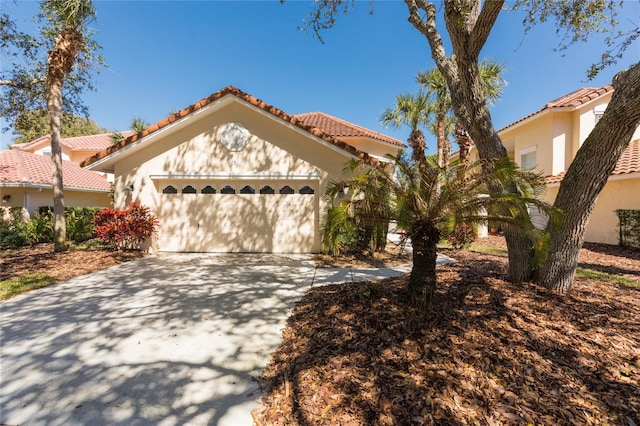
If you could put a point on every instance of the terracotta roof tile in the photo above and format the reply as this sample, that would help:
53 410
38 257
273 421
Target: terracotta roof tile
230 90
629 162
77 143
21 167
571 100
338 127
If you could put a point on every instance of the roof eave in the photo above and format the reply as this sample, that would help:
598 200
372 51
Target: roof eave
390 144
48 186
534 116
106 163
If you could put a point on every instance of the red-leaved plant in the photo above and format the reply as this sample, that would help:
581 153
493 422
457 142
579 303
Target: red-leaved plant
125 229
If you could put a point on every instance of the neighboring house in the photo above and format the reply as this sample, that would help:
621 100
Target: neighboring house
75 149
26 174
25 181
231 173
548 140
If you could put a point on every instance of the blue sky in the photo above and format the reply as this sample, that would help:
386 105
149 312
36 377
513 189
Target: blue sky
166 55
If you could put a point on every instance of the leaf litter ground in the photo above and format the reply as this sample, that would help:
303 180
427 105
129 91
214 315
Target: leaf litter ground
492 353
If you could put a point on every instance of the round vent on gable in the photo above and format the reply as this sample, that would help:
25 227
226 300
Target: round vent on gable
234 136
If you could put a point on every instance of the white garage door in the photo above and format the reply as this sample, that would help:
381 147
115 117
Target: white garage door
238 216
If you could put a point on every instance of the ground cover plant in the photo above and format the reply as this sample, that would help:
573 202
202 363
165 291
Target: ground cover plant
490 353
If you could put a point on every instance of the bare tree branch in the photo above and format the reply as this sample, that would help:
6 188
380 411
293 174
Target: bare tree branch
24 86
483 26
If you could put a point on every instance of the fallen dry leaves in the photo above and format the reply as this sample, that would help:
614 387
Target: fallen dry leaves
492 353
40 258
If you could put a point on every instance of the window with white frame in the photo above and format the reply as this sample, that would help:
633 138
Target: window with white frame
528 158
598 112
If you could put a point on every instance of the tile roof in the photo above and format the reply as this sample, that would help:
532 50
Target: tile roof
571 100
77 143
338 127
21 167
232 91
629 162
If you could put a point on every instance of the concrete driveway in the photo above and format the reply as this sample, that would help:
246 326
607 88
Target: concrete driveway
169 339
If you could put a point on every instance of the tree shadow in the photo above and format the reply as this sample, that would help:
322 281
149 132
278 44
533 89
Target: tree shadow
177 338
491 353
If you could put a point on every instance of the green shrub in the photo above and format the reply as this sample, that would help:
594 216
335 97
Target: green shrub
79 227
39 229
79 221
341 234
12 235
629 227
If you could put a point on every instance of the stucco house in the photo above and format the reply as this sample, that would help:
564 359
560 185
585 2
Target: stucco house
74 149
25 181
232 173
547 141
26 175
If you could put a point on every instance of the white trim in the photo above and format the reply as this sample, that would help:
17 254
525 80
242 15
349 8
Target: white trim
45 186
238 176
528 150
184 121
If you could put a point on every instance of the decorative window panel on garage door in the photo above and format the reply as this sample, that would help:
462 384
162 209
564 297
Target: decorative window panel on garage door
262 216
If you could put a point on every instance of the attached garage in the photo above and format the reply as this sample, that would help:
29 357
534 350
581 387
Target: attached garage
272 216
231 173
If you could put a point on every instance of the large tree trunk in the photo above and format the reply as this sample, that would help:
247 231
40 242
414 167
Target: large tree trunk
422 280
61 59
469 23
587 176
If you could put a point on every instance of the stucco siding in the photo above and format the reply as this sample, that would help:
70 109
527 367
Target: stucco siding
274 152
32 198
603 224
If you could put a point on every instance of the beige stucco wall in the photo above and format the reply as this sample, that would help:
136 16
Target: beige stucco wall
32 198
373 147
240 222
617 194
538 134
275 151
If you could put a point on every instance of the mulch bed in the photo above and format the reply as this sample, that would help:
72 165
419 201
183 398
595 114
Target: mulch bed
40 258
492 353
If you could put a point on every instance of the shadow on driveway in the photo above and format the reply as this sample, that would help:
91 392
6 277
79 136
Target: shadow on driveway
172 339
164 340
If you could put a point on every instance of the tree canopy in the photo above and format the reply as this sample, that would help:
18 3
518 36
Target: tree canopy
30 125
23 75
468 26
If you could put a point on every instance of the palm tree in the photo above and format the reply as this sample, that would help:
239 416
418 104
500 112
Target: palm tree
68 19
413 111
366 216
435 85
138 124
428 203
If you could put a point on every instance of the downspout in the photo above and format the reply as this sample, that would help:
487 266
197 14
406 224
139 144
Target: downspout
27 200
